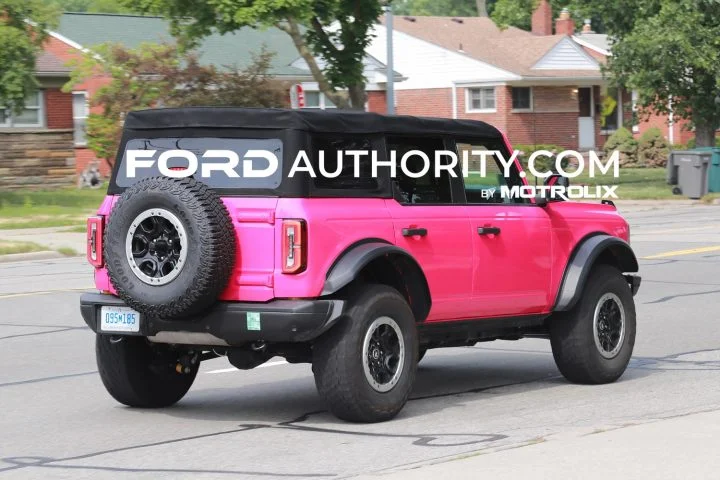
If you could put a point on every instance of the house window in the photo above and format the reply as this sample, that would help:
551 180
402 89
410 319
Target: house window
317 100
521 98
481 99
80 114
31 116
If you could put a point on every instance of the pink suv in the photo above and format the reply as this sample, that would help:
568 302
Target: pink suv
203 249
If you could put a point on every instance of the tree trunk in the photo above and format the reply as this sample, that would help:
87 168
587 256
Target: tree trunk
357 96
292 29
704 134
482 8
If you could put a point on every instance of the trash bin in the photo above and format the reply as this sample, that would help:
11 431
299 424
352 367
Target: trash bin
692 171
714 171
672 170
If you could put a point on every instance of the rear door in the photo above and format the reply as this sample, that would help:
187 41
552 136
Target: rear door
431 225
511 241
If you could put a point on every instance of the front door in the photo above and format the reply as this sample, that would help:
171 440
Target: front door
511 244
434 229
586 119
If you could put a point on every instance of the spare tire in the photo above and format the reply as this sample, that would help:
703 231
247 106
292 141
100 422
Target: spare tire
169 247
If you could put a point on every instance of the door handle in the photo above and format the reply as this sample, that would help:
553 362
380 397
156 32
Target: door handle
488 231
411 232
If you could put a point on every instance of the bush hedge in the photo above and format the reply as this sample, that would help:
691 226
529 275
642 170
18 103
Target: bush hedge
652 149
622 141
542 164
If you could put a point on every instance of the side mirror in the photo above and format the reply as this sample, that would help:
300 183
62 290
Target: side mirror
541 201
557 180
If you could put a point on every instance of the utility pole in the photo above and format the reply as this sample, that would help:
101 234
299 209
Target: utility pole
390 89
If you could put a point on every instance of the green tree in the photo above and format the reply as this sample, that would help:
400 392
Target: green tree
518 13
669 52
452 8
337 31
23 29
154 75
92 6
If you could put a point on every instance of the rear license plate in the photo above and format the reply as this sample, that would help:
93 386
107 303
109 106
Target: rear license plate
119 319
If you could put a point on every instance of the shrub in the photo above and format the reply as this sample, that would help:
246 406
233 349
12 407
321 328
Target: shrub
542 164
652 149
692 143
622 141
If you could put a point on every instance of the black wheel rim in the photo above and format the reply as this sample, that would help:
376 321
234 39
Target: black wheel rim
156 246
609 325
383 354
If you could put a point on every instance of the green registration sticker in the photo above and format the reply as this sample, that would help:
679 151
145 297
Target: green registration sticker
253 320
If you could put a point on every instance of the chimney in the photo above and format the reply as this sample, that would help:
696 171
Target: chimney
542 19
565 25
587 26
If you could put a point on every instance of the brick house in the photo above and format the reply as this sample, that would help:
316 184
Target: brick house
61 116
36 145
537 86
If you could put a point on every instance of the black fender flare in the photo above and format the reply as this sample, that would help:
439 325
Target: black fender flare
351 262
584 256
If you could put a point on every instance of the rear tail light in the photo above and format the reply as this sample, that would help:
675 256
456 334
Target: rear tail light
94 241
294 246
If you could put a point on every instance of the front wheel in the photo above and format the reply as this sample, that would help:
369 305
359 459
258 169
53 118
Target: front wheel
365 365
139 374
593 342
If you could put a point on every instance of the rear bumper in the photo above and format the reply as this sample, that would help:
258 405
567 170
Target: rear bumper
226 323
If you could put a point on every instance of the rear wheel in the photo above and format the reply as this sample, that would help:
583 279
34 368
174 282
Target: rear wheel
139 374
593 342
421 353
365 365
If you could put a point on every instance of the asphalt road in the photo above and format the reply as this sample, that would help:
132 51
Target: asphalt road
57 421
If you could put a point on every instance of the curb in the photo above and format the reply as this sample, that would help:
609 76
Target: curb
22 257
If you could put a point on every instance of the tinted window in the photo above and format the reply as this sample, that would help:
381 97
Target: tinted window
427 189
211 154
328 148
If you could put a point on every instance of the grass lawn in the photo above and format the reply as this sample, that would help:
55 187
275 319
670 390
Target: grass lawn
51 208
633 183
8 248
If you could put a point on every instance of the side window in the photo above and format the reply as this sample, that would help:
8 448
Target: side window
486 187
343 177
426 189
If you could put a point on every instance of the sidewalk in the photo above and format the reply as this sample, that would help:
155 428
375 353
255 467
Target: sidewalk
680 447
53 238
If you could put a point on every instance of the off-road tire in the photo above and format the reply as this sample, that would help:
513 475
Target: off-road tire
421 353
139 374
572 336
211 247
338 362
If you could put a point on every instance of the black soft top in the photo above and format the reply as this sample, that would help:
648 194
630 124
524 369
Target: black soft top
316 121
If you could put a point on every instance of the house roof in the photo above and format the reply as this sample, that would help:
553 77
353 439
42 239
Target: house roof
512 49
49 65
600 41
229 50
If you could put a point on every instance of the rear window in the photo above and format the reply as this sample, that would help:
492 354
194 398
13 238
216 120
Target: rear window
221 163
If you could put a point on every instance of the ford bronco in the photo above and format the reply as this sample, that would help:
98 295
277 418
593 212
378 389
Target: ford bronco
209 244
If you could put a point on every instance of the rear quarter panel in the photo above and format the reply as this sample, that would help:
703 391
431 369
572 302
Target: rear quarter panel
333 224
